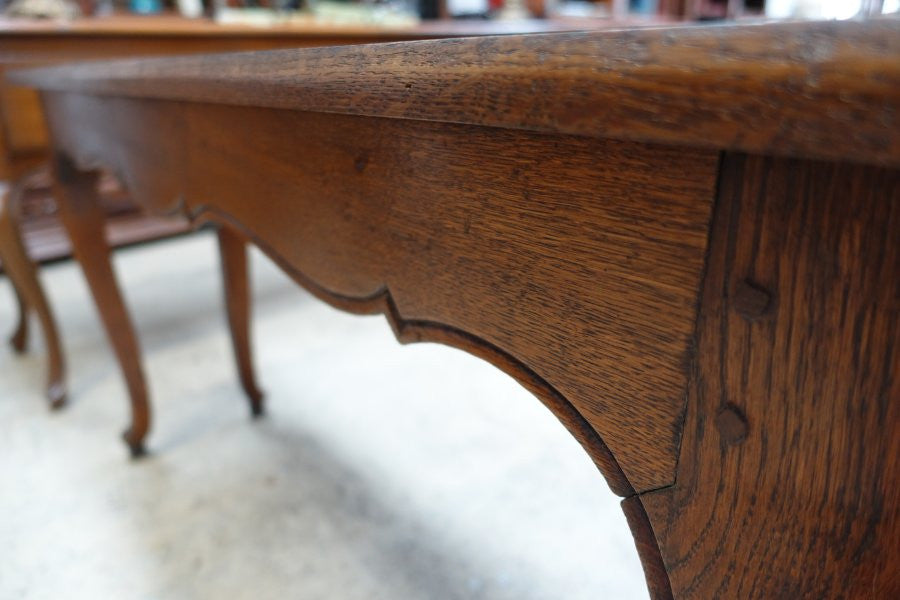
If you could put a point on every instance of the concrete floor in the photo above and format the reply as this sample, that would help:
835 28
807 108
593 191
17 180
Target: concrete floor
381 471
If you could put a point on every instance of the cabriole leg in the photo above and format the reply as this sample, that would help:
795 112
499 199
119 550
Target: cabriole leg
233 249
30 295
83 217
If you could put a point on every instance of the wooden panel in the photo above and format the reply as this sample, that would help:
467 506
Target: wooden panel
24 122
829 90
578 258
789 479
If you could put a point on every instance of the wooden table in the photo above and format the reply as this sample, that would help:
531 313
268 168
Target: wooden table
29 227
41 42
685 242
23 135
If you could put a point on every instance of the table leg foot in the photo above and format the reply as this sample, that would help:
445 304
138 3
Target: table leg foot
135 443
56 394
19 339
257 410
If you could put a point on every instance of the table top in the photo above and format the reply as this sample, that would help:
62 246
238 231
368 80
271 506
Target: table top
816 89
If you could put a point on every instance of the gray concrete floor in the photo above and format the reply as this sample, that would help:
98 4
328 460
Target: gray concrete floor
381 471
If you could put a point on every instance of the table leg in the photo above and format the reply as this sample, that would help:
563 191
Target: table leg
19 339
233 249
30 295
83 217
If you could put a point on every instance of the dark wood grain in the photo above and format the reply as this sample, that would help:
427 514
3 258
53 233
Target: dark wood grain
789 480
412 209
719 330
829 90
25 42
648 549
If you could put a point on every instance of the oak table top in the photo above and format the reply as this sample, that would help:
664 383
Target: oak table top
37 42
24 140
684 241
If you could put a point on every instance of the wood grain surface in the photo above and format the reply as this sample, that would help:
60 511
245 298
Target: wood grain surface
718 329
365 207
789 480
828 90
41 42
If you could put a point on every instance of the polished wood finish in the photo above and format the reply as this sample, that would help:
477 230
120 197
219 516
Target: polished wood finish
24 138
626 276
29 294
781 89
235 279
25 42
714 319
83 218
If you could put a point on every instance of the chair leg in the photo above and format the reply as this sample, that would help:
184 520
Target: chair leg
233 250
23 275
83 217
